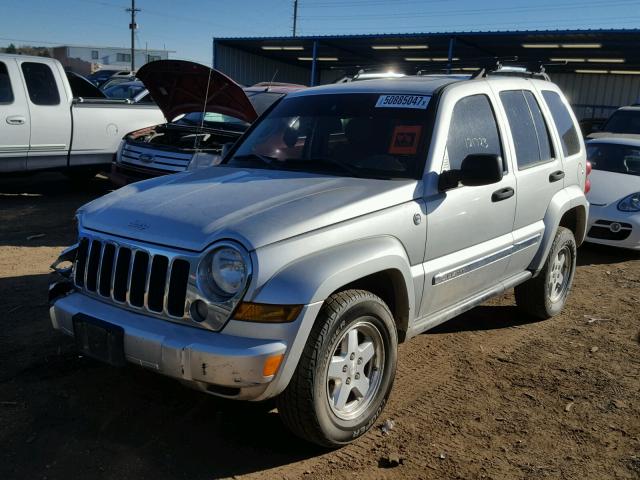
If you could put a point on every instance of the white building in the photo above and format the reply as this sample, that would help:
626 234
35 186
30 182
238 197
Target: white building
86 59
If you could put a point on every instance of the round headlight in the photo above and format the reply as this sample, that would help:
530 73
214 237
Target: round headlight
228 270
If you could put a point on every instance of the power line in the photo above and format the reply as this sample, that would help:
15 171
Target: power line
459 12
486 26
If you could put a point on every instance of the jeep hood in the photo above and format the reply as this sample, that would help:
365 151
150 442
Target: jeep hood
609 187
178 87
259 207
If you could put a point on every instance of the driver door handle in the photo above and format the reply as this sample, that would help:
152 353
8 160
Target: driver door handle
16 120
555 176
502 194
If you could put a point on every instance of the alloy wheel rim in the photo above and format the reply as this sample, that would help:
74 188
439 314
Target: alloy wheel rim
355 370
559 275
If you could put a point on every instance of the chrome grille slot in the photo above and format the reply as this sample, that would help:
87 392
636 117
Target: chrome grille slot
135 276
121 274
106 269
157 281
177 287
91 274
138 278
81 262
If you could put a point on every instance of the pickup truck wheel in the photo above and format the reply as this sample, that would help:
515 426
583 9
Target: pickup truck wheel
345 373
545 295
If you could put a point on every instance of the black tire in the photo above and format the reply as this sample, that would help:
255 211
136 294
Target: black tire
536 296
305 406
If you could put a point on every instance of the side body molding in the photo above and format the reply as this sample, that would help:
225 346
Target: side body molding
563 201
313 278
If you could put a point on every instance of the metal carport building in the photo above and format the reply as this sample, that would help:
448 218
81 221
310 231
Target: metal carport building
599 70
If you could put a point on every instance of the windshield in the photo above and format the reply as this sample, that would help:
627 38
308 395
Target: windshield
614 158
360 135
123 90
623 121
211 119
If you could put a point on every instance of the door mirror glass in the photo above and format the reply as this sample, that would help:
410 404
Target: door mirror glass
476 170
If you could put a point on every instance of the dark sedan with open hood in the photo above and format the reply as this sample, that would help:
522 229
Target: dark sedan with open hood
204 109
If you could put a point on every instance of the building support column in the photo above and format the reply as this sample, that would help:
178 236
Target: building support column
213 53
314 64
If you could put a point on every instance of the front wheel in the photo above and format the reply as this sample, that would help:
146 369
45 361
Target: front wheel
345 373
545 295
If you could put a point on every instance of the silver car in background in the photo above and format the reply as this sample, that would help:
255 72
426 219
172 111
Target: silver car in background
348 218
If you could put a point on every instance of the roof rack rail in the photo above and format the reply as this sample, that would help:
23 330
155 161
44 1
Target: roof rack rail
490 66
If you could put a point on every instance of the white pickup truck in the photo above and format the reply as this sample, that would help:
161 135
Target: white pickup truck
43 125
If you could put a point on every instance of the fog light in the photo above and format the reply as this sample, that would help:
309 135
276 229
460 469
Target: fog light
199 311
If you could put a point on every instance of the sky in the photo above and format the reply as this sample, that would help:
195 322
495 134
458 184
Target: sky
187 26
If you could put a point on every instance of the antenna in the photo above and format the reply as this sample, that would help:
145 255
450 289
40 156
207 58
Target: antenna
272 79
196 142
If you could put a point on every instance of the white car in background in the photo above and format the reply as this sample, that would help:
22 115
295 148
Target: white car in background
614 216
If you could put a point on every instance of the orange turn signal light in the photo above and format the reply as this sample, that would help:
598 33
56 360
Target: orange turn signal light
266 313
271 364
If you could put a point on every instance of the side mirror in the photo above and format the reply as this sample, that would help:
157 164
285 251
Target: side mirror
225 149
476 170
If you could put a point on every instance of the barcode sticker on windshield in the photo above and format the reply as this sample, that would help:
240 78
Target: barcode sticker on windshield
403 101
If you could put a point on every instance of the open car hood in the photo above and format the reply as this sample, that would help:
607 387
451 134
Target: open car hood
178 87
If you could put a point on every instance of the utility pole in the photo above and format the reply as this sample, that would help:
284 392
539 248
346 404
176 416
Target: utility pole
133 26
295 16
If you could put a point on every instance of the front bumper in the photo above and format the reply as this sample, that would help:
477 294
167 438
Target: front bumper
121 175
213 362
598 231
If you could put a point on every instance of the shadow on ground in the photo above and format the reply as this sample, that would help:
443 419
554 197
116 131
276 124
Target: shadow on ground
594 254
484 317
66 416
37 209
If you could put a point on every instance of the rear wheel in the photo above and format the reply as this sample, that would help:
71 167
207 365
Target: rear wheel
545 295
346 371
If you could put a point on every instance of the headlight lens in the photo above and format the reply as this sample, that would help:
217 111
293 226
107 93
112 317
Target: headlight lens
630 203
119 151
228 270
203 160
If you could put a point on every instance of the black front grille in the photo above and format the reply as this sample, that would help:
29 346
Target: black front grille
605 233
131 276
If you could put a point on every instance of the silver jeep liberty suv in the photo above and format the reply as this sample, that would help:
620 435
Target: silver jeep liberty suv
347 219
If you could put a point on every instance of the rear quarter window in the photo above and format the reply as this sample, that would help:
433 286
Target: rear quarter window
6 93
562 118
528 128
41 85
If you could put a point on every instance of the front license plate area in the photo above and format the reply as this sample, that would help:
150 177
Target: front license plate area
99 339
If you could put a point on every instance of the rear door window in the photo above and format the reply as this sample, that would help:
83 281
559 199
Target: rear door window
564 123
528 128
473 130
6 93
41 85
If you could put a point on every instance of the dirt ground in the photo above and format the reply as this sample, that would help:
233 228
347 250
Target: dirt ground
489 394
